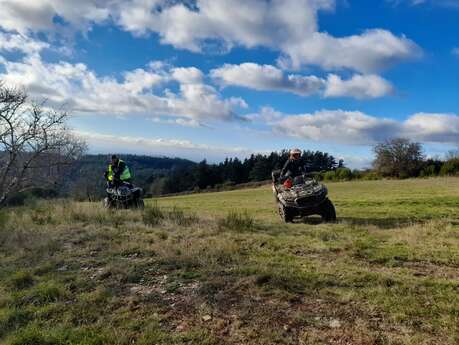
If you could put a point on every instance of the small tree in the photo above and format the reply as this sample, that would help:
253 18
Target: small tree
35 144
398 158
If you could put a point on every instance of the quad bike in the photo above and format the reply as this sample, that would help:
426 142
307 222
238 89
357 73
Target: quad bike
123 196
304 197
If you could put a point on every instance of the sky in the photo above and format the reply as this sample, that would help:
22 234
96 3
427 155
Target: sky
209 79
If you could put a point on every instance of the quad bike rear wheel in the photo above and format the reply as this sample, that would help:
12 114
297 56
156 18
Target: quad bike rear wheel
285 213
327 211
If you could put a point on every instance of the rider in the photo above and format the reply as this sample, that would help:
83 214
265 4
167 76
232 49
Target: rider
117 172
292 168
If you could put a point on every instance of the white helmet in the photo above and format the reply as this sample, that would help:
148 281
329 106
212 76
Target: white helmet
295 152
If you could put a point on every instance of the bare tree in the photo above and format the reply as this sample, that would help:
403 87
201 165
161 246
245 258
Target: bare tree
398 158
35 143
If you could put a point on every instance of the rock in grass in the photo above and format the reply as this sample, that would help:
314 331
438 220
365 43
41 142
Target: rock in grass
335 324
206 318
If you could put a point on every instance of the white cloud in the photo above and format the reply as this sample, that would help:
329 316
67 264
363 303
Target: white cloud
287 26
359 86
14 42
349 127
82 91
108 143
39 15
437 128
370 51
357 128
270 78
266 77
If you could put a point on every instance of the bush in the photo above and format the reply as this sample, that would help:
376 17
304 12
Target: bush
239 221
429 170
450 167
330 176
343 174
371 176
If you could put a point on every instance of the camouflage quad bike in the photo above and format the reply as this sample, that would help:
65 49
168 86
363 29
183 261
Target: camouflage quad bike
306 197
123 196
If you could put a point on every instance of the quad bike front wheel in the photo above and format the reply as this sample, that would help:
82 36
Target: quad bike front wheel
327 211
107 203
285 213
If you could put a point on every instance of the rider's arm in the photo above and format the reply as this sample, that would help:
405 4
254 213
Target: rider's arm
285 169
119 170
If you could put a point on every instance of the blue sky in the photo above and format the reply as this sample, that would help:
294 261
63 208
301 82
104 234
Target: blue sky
215 78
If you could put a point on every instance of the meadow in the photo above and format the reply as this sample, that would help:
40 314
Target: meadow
221 268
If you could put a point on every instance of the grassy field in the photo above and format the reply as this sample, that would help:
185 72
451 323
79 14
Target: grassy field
220 268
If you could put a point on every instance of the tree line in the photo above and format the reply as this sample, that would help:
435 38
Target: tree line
233 171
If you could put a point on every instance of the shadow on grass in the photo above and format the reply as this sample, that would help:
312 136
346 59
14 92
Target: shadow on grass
382 223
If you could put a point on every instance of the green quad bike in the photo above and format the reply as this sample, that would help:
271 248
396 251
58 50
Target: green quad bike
306 197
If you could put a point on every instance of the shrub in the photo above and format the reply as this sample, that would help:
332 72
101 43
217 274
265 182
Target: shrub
371 176
239 221
330 176
450 167
343 174
429 170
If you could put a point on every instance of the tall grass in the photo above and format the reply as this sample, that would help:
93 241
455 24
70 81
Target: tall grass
238 221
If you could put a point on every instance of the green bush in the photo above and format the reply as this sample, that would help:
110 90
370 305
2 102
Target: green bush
371 176
450 167
343 174
429 170
330 176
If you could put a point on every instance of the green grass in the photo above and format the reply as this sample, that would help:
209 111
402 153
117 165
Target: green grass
220 268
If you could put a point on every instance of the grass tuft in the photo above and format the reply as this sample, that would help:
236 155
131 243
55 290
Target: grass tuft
152 215
21 280
237 221
178 217
41 294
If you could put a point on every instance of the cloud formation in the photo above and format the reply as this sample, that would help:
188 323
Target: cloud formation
271 78
39 15
288 26
354 127
266 78
359 86
141 91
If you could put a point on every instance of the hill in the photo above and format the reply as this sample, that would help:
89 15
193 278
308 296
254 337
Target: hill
220 268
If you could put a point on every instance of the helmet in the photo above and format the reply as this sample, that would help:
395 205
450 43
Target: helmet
295 152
